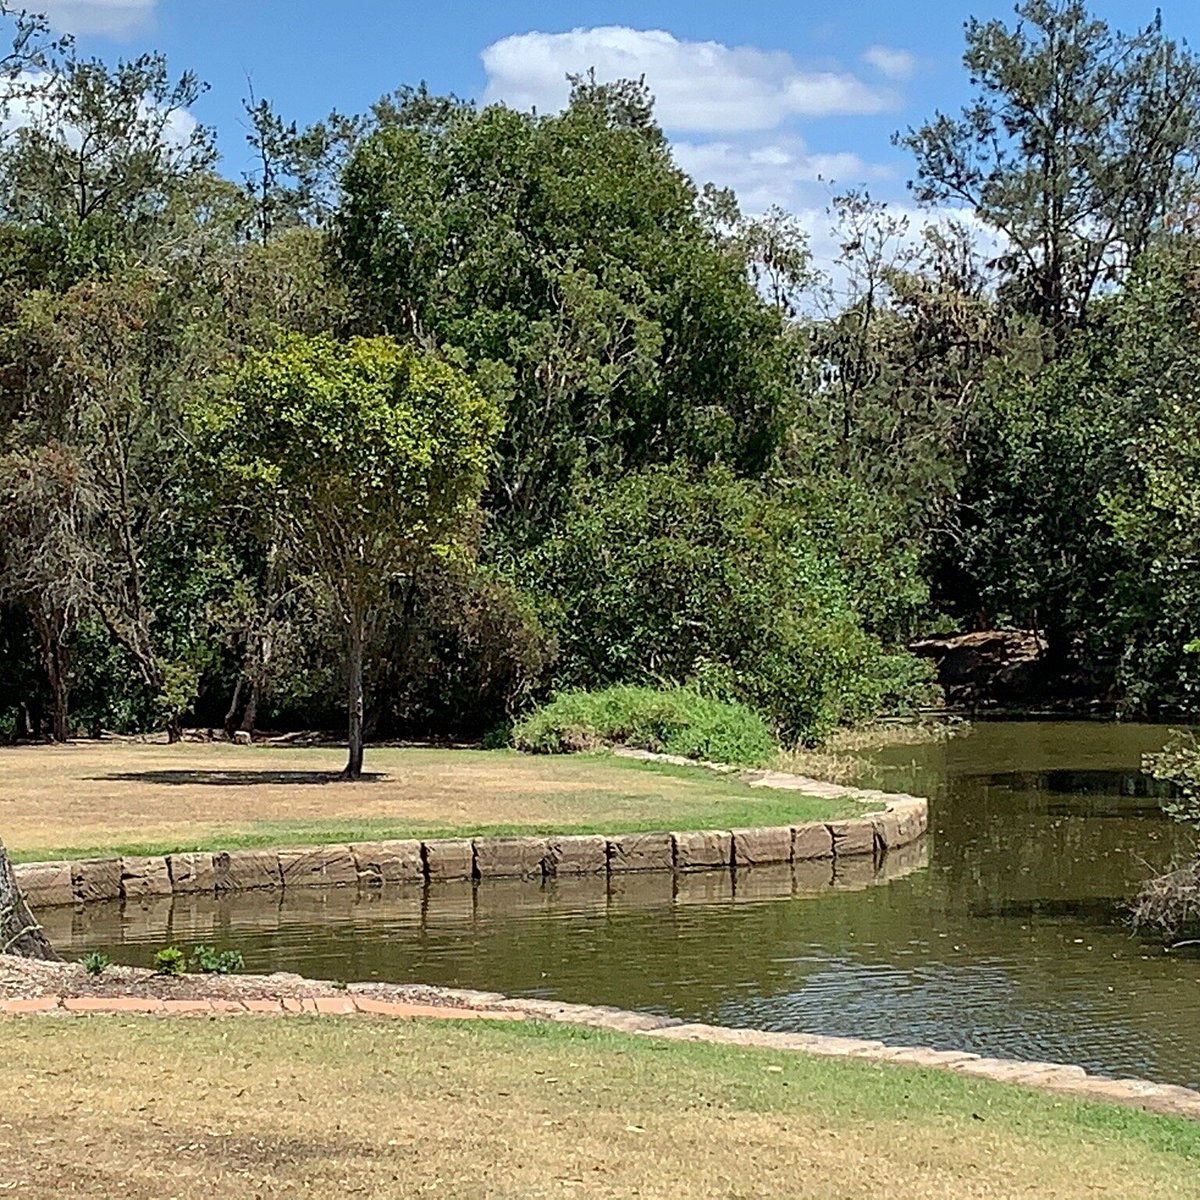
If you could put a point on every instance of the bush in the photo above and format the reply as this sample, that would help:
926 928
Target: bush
210 961
718 584
678 721
1170 903
170 961
96 963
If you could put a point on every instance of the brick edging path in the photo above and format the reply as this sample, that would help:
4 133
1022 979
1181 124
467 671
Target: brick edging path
458 1004
902 820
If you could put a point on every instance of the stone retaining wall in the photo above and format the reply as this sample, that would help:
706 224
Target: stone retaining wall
904 820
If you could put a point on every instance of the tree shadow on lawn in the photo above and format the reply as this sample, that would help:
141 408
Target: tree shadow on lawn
230 778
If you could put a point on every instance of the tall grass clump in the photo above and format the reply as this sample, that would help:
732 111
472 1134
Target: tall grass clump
672 721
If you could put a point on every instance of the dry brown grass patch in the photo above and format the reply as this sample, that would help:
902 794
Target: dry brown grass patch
236 1108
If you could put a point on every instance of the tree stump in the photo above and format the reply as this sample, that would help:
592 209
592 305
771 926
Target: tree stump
19 932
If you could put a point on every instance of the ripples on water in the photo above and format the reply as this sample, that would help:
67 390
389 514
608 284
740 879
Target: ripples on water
1002 933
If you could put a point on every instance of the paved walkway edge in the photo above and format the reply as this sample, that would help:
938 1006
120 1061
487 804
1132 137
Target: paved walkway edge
1059 1078
900 821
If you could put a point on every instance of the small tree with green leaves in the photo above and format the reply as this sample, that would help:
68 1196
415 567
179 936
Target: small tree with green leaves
369 457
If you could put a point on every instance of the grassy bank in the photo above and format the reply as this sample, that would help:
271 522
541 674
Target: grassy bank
845 756
241 1108
95 799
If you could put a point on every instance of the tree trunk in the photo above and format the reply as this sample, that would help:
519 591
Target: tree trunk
354 697
250 716
19 932
56 661
52 629
231 721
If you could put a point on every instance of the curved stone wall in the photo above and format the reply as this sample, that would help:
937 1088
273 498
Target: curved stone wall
904 820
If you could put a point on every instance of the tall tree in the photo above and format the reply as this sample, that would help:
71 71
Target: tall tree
371 457
565 256
1078 141
44 564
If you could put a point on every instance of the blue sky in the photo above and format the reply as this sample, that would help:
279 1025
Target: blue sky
759 96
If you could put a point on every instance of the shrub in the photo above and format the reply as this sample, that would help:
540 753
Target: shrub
96 963
1170 903
170 961
1178 763
677 721
209 961
717 583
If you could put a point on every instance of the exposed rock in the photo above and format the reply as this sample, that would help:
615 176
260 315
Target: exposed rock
96 879
144 877
317 866
641 852
389 862
811 841
510 857
887 830
245 870
449 858
580 854
855 837
762 847
45 884
192 873
989 667
702 850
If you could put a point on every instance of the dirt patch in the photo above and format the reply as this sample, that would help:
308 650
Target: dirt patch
24 978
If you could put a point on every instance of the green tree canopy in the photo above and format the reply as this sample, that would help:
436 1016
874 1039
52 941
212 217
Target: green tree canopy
564 258
369 456
1077 143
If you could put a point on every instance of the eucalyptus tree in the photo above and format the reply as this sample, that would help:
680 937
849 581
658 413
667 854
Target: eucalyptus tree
1078 141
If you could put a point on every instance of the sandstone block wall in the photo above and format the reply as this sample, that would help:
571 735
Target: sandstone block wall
859 843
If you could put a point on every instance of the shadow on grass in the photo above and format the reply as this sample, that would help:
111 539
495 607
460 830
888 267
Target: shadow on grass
229 778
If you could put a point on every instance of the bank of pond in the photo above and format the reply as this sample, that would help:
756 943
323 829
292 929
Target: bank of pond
1005 931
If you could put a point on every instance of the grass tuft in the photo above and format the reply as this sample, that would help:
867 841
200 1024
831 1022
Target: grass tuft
673 721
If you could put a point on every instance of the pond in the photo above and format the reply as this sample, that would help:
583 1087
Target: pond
1004 932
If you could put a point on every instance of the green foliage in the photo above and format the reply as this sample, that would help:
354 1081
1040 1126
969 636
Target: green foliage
714 471
366 459
665 579
368 455
463 651
170 961
564 260
210 961
1178 763
1036 538
96 963
671 721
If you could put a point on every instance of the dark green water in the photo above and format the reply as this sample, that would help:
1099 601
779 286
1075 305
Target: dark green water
1002 933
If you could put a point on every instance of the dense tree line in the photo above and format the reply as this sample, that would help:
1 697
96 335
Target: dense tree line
444 407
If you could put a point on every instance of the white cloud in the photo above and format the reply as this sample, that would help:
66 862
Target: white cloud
113 17
699 86
26 105
779 170
890 63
